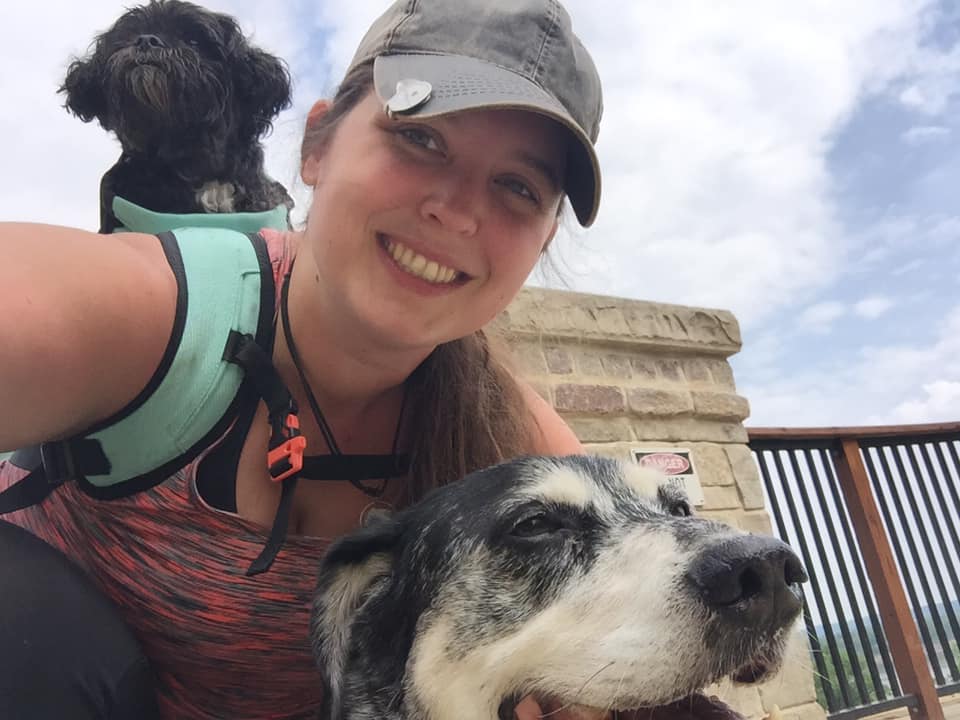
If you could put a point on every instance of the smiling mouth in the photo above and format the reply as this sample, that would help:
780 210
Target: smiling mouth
413 263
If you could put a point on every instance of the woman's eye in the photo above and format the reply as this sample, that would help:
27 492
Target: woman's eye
519 187
420 138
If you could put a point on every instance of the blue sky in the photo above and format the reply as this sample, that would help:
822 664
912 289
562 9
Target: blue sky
795 163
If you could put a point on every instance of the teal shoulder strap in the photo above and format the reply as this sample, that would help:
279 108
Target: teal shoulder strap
140 219
225 288
222 290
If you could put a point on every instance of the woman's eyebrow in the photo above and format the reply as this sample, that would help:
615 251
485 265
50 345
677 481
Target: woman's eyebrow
541 166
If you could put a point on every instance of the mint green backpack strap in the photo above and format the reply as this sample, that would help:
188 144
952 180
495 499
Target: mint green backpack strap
225 291
135 218
225 284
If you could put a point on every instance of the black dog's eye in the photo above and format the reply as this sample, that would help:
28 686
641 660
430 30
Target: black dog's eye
198 41
680 508
536 526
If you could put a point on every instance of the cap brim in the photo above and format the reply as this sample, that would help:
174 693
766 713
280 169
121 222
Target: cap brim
463 83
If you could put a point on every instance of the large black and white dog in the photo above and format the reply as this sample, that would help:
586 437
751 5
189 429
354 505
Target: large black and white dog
583 581
189 100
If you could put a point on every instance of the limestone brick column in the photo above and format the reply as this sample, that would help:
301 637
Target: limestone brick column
629 374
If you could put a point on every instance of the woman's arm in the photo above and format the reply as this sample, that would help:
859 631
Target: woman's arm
551 435
84 322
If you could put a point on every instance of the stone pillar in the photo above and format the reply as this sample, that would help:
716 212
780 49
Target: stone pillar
628 374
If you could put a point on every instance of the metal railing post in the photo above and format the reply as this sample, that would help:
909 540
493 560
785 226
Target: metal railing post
898 624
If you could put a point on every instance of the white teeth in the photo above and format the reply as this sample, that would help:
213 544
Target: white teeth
418 265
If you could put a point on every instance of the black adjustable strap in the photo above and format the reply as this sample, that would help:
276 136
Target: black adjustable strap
354 467
278 531
33 488
50 465
285 451
243 350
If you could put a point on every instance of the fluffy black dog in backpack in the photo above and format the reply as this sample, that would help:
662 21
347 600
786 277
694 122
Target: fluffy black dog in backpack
189 100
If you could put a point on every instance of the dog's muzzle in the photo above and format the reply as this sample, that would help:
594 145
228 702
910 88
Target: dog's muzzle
749 581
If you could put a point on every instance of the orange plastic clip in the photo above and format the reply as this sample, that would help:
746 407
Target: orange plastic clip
287 458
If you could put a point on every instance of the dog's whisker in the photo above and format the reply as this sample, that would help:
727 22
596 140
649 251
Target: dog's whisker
570 704
608 711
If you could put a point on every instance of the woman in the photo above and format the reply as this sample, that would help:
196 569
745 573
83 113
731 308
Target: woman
437 173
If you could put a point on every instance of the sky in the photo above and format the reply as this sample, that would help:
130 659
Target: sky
795 163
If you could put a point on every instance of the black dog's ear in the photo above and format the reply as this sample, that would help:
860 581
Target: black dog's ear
354 572
83 87
262 86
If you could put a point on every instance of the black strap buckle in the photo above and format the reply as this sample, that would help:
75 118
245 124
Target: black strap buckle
58 462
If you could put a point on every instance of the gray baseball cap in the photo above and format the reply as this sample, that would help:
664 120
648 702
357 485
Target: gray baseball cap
433 57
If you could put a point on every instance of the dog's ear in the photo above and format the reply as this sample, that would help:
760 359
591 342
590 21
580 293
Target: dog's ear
354 572
262 85
83 87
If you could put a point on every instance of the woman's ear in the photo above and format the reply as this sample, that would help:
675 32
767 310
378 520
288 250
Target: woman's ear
310 169
551 236
319 109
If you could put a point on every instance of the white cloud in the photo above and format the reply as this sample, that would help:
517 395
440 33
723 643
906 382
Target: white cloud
904 241
873 307
883 384
716 127
908 267
942 403
933 80
718 122
924 134
819 318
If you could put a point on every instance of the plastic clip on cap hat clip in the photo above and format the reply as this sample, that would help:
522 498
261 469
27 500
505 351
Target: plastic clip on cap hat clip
433 57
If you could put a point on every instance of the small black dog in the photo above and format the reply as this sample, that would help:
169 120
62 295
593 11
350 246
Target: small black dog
189 99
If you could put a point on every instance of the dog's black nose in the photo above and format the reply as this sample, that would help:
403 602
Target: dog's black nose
749 580
149 42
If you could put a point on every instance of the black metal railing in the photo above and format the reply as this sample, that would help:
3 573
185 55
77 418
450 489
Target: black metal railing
874 514
916 488
850 651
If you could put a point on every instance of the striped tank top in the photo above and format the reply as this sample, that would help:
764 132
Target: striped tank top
222 645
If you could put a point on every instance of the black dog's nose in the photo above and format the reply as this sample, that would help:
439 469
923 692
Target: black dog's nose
148 42
749 580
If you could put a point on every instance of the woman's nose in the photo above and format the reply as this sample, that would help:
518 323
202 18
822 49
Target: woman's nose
454 205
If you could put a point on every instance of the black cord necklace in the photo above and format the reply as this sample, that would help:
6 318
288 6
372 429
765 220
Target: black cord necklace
397 464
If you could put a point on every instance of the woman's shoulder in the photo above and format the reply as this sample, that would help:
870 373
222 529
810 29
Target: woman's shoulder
87 341
282 247
551 435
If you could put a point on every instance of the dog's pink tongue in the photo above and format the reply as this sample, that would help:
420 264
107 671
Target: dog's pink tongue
529 709
695 707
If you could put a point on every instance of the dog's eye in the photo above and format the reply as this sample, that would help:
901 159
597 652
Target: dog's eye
535 526
680 508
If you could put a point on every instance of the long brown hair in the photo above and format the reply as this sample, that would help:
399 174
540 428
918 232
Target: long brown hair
465 410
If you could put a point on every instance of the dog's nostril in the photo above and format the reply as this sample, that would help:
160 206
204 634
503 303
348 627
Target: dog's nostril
749 580
793 571
145 42
751 584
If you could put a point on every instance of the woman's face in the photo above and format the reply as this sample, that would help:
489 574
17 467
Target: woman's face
424 230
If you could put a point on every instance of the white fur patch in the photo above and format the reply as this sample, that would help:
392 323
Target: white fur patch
348 587
217 197
564 485
644 481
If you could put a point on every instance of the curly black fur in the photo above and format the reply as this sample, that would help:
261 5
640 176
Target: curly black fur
189 99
